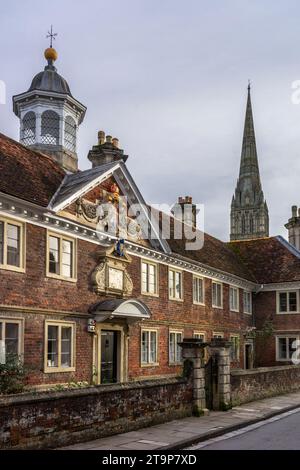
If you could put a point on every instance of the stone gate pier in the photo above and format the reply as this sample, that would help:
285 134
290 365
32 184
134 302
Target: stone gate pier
193 351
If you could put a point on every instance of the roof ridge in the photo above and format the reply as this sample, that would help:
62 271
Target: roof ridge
292 249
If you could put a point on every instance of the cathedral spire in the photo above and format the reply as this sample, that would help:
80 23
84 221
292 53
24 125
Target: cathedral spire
249 161
249 211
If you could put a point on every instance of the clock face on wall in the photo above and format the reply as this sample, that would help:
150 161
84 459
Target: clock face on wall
115 278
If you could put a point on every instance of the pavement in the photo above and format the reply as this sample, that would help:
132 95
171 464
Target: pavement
186 432
282 432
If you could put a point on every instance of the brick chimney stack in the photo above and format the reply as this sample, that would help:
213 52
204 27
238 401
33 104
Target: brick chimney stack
185 210
293 227
106 151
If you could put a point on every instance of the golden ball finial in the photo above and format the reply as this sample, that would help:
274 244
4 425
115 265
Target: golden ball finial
50 54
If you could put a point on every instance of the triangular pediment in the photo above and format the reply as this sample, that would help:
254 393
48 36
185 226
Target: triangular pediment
89 197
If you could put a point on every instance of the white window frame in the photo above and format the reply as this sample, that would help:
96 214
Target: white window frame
60 324
237 358
62 237
20 323
247 292
288 312
287 337
7 221
156 268
217 335
231 307
197 333
199 278
149 363
179 271
175 362
212 294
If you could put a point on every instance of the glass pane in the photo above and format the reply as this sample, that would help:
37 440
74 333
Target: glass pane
282 348
178 285
13 245
50 128
1 241
67 248
292 346
293 302
152 278
172 347
283 302
145 346
66 343
217 294
153 347
171 284
178 348
11 338
52 351
144 278
54 255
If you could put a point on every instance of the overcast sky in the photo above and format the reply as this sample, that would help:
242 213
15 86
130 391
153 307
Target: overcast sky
169 79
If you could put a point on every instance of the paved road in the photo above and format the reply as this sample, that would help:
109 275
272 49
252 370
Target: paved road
279 433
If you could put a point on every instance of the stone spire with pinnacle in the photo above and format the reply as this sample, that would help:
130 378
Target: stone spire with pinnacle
249 211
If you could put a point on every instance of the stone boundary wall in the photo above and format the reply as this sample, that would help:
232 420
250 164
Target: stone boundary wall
254 384
39 420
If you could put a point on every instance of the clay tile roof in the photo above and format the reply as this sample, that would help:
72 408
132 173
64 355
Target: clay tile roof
27 174
270 260
214 253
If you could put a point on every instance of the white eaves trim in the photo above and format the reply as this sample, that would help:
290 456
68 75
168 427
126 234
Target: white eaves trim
89 186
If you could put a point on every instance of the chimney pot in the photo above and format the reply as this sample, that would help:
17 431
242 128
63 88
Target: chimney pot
108 139
115 142
101 137
294 211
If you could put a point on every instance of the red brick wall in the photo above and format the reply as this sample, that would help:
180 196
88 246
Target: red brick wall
55 419
33 289
265 311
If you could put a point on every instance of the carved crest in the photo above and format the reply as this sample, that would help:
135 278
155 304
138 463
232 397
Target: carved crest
110 276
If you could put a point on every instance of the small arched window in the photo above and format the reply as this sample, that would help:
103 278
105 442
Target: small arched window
70 134
50 128
28 128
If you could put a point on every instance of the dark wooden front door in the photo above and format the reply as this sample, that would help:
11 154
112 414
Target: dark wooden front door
109 344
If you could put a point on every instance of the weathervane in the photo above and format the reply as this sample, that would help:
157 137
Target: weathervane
51 35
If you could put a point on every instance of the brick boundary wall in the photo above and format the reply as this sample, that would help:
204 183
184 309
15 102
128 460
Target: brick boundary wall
254 384
39 420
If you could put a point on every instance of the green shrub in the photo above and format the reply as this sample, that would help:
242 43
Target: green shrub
12 375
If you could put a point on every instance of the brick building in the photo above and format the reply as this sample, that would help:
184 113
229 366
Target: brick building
81 301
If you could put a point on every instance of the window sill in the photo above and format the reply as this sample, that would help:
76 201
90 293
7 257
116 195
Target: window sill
234 311
175 300
220 307
175 364
149 294
287 313
61 278
247 313
152 364
12 268
53 370
202 304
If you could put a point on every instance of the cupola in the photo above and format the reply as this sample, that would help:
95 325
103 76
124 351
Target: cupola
50 116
